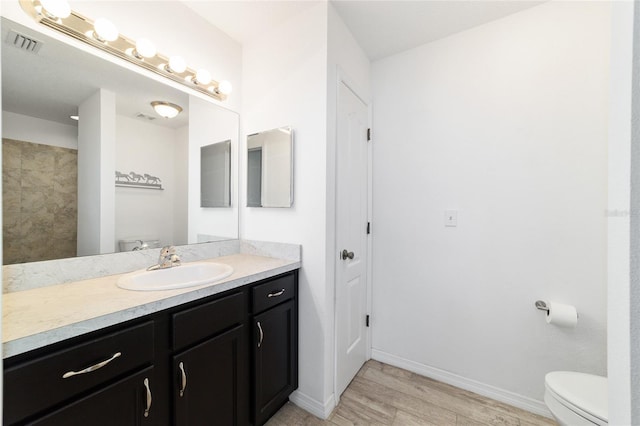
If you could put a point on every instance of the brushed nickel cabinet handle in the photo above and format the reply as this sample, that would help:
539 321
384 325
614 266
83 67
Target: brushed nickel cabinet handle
92 368
149 399
184 378
261 334
276 294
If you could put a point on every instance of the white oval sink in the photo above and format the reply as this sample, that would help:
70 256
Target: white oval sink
186 275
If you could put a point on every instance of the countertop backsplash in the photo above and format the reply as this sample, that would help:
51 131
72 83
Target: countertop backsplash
26 276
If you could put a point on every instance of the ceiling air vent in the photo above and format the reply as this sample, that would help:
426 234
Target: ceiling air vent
145 116
23 42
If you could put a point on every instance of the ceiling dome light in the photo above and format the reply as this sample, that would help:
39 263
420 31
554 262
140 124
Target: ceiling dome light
166 109
75 117
105 30
56 8
144 49
224 87
202 77
177 65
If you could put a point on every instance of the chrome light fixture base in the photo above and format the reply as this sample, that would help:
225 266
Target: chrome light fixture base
82 28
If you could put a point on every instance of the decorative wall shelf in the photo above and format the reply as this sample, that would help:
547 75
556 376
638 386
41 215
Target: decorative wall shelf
139 185
138 180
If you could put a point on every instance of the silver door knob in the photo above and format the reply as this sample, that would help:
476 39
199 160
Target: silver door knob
347 254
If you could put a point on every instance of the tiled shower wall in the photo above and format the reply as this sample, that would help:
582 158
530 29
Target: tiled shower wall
39 201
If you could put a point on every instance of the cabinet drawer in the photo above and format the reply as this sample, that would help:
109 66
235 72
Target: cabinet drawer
127 402
197 323
273 292
35 385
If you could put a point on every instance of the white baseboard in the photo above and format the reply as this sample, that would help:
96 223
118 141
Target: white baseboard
526 403
313 406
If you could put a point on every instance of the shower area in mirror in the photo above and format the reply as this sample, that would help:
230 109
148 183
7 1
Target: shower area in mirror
39 201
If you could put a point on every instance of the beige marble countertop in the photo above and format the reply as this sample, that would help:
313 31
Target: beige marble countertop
38 317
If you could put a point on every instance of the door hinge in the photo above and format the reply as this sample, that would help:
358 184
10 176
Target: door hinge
368 135
367 320
368 228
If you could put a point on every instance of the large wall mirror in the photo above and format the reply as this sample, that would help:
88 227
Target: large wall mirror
147 189
270 168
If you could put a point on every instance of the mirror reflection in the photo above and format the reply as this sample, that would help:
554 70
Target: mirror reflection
270 168
120 178
215 175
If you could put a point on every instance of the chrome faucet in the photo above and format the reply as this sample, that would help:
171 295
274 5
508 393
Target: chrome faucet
168 259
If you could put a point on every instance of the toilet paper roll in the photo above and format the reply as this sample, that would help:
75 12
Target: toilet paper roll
562 315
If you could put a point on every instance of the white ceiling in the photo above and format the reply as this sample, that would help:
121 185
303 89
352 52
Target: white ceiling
243 20
382 27
388 27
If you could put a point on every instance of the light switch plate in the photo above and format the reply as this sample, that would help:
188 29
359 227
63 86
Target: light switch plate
451 218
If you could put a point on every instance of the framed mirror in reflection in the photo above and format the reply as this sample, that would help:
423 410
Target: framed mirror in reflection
215 175
270 168
59 175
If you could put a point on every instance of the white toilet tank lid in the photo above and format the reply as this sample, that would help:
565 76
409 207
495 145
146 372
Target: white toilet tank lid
586 392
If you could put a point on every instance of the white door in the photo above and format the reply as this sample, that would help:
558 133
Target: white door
351 237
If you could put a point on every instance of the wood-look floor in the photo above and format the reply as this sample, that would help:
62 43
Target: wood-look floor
384 395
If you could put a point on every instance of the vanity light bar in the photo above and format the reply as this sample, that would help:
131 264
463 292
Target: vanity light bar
82 28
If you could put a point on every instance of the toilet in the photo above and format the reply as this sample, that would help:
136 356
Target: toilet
133 244
577 398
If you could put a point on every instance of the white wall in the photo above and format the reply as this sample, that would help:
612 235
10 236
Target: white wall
143 147
618 337
181 167
31 129
96 161
507 123
284 83
634 296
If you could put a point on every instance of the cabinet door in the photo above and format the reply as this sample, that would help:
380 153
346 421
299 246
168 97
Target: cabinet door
128 402
211 381
275 359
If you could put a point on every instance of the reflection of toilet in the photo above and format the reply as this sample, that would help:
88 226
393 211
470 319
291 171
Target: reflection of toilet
137 244
577 398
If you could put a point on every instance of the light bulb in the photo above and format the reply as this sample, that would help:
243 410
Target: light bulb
203 77
225 87
177 64
56 8
105 30
145 48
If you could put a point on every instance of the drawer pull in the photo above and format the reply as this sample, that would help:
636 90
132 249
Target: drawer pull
149 399
92 368
261 334
276 294
184 379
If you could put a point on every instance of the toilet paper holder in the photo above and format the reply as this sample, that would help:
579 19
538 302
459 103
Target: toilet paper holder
542 305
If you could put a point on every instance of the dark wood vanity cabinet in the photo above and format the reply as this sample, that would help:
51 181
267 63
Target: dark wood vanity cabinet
228 359
212 382
275 345
210 371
